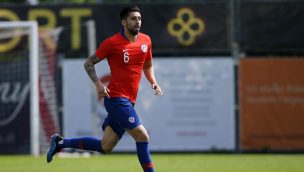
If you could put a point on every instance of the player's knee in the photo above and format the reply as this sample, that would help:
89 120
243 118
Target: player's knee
107 148
142 137
139 134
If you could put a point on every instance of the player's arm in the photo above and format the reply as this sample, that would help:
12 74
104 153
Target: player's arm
102 90
149 73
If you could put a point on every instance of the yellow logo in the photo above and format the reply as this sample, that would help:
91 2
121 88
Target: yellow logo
186 26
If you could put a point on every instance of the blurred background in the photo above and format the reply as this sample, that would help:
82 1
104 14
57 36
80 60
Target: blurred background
231 71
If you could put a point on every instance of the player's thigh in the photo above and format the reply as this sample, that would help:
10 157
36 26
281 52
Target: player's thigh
109 139
139 133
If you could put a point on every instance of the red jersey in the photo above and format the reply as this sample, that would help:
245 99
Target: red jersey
126 60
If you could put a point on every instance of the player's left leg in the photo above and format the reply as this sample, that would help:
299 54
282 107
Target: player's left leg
84 143
141 137
108 142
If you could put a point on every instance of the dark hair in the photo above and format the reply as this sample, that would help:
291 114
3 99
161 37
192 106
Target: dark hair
126 10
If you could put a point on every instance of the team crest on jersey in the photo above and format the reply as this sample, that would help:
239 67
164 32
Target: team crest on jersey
131 119
144 48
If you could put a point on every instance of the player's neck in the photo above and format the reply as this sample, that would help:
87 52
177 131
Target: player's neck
129 36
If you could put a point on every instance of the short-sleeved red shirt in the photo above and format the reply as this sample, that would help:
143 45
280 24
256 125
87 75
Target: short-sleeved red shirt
126 60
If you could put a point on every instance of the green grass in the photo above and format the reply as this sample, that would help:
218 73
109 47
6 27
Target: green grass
163 163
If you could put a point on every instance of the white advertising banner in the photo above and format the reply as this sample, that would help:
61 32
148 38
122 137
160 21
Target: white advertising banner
196 112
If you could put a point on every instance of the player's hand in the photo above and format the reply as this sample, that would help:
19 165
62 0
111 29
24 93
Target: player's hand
102 91
157 90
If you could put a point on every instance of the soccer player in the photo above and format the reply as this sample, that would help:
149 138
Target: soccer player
128 54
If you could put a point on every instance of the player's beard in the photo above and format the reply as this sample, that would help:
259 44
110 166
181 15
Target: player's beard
134 31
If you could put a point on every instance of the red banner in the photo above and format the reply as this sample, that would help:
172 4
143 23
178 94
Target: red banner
272 104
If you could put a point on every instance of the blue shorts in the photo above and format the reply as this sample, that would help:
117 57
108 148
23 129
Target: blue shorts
121 115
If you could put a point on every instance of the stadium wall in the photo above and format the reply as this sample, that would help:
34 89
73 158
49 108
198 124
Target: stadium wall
248 28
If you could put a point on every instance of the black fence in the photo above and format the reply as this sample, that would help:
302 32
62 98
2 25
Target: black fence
205 28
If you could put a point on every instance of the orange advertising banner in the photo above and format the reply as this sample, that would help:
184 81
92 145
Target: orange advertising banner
272 104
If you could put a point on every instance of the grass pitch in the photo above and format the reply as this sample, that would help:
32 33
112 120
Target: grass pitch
163 163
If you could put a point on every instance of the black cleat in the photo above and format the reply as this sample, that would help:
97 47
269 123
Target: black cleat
53 147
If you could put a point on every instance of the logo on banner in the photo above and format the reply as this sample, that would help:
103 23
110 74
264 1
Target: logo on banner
12 98
186 26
